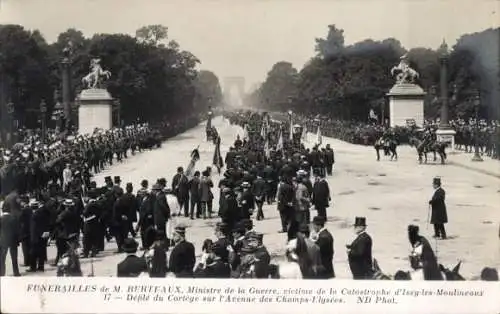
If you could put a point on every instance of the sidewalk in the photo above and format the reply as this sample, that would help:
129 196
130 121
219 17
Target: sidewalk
488 166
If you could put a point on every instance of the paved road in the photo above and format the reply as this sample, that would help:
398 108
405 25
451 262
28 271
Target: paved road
390 194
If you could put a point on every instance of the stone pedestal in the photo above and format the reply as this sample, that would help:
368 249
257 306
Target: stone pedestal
406 105
447 136
94 111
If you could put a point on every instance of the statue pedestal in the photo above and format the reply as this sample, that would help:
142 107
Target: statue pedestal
447 136
95 110
406 105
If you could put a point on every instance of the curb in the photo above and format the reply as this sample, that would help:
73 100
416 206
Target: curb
486 172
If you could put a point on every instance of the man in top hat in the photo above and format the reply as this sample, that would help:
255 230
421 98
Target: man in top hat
324 240
422 255
439 215
131 266
180 186
359 252
182 258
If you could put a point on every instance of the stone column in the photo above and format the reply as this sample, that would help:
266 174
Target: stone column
445 133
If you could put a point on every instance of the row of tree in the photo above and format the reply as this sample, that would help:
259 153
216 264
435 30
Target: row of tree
346 81
151 76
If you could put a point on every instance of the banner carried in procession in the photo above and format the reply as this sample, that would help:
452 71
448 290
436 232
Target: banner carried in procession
174 295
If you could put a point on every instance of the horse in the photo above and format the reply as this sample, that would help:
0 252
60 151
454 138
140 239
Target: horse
389 147
452 275
435 147
93 79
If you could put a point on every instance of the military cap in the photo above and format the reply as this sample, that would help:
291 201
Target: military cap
319 220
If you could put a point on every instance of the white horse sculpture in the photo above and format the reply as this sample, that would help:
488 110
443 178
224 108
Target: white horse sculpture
94 78
406 74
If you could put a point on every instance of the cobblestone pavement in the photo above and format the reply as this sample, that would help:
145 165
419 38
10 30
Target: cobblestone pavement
391 194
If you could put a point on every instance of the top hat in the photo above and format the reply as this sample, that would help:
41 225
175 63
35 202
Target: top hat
205 173
360 222
129 185
413 229
436 181
319 220
107 179
156 187
117 179
130 245
144 183
162 181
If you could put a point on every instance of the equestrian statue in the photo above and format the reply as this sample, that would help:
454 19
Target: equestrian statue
405 74
94 80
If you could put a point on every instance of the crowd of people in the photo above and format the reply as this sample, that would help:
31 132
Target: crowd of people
47 185
367 133
268 165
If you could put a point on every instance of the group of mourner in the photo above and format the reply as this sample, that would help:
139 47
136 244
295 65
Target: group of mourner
269 165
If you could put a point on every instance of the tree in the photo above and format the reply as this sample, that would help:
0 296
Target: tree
152 34
332 44
208 90
280 88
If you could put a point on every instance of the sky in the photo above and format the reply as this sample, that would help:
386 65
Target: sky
246 37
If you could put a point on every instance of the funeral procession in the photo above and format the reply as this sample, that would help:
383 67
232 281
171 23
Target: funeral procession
123 155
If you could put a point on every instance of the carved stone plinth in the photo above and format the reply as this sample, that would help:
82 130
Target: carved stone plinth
95 110
447 136
406 104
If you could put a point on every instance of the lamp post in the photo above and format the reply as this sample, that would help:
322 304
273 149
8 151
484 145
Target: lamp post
477 105
43 111
57 115
10 124
66 83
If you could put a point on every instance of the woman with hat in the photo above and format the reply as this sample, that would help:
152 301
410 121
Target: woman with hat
359 252
156 257
182 258
132 265
439 215
422 256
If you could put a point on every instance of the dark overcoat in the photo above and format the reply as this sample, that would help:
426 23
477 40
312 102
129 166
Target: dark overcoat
438 206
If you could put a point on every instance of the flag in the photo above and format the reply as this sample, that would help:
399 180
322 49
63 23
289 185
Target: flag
279 146
217 160
263 130
267 150
319 138
245 132
291 130
304 134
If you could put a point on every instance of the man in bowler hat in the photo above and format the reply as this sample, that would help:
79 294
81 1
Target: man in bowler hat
439 215
359 252
132 265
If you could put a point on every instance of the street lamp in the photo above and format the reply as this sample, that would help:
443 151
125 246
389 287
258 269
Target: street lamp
43 111
477 104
